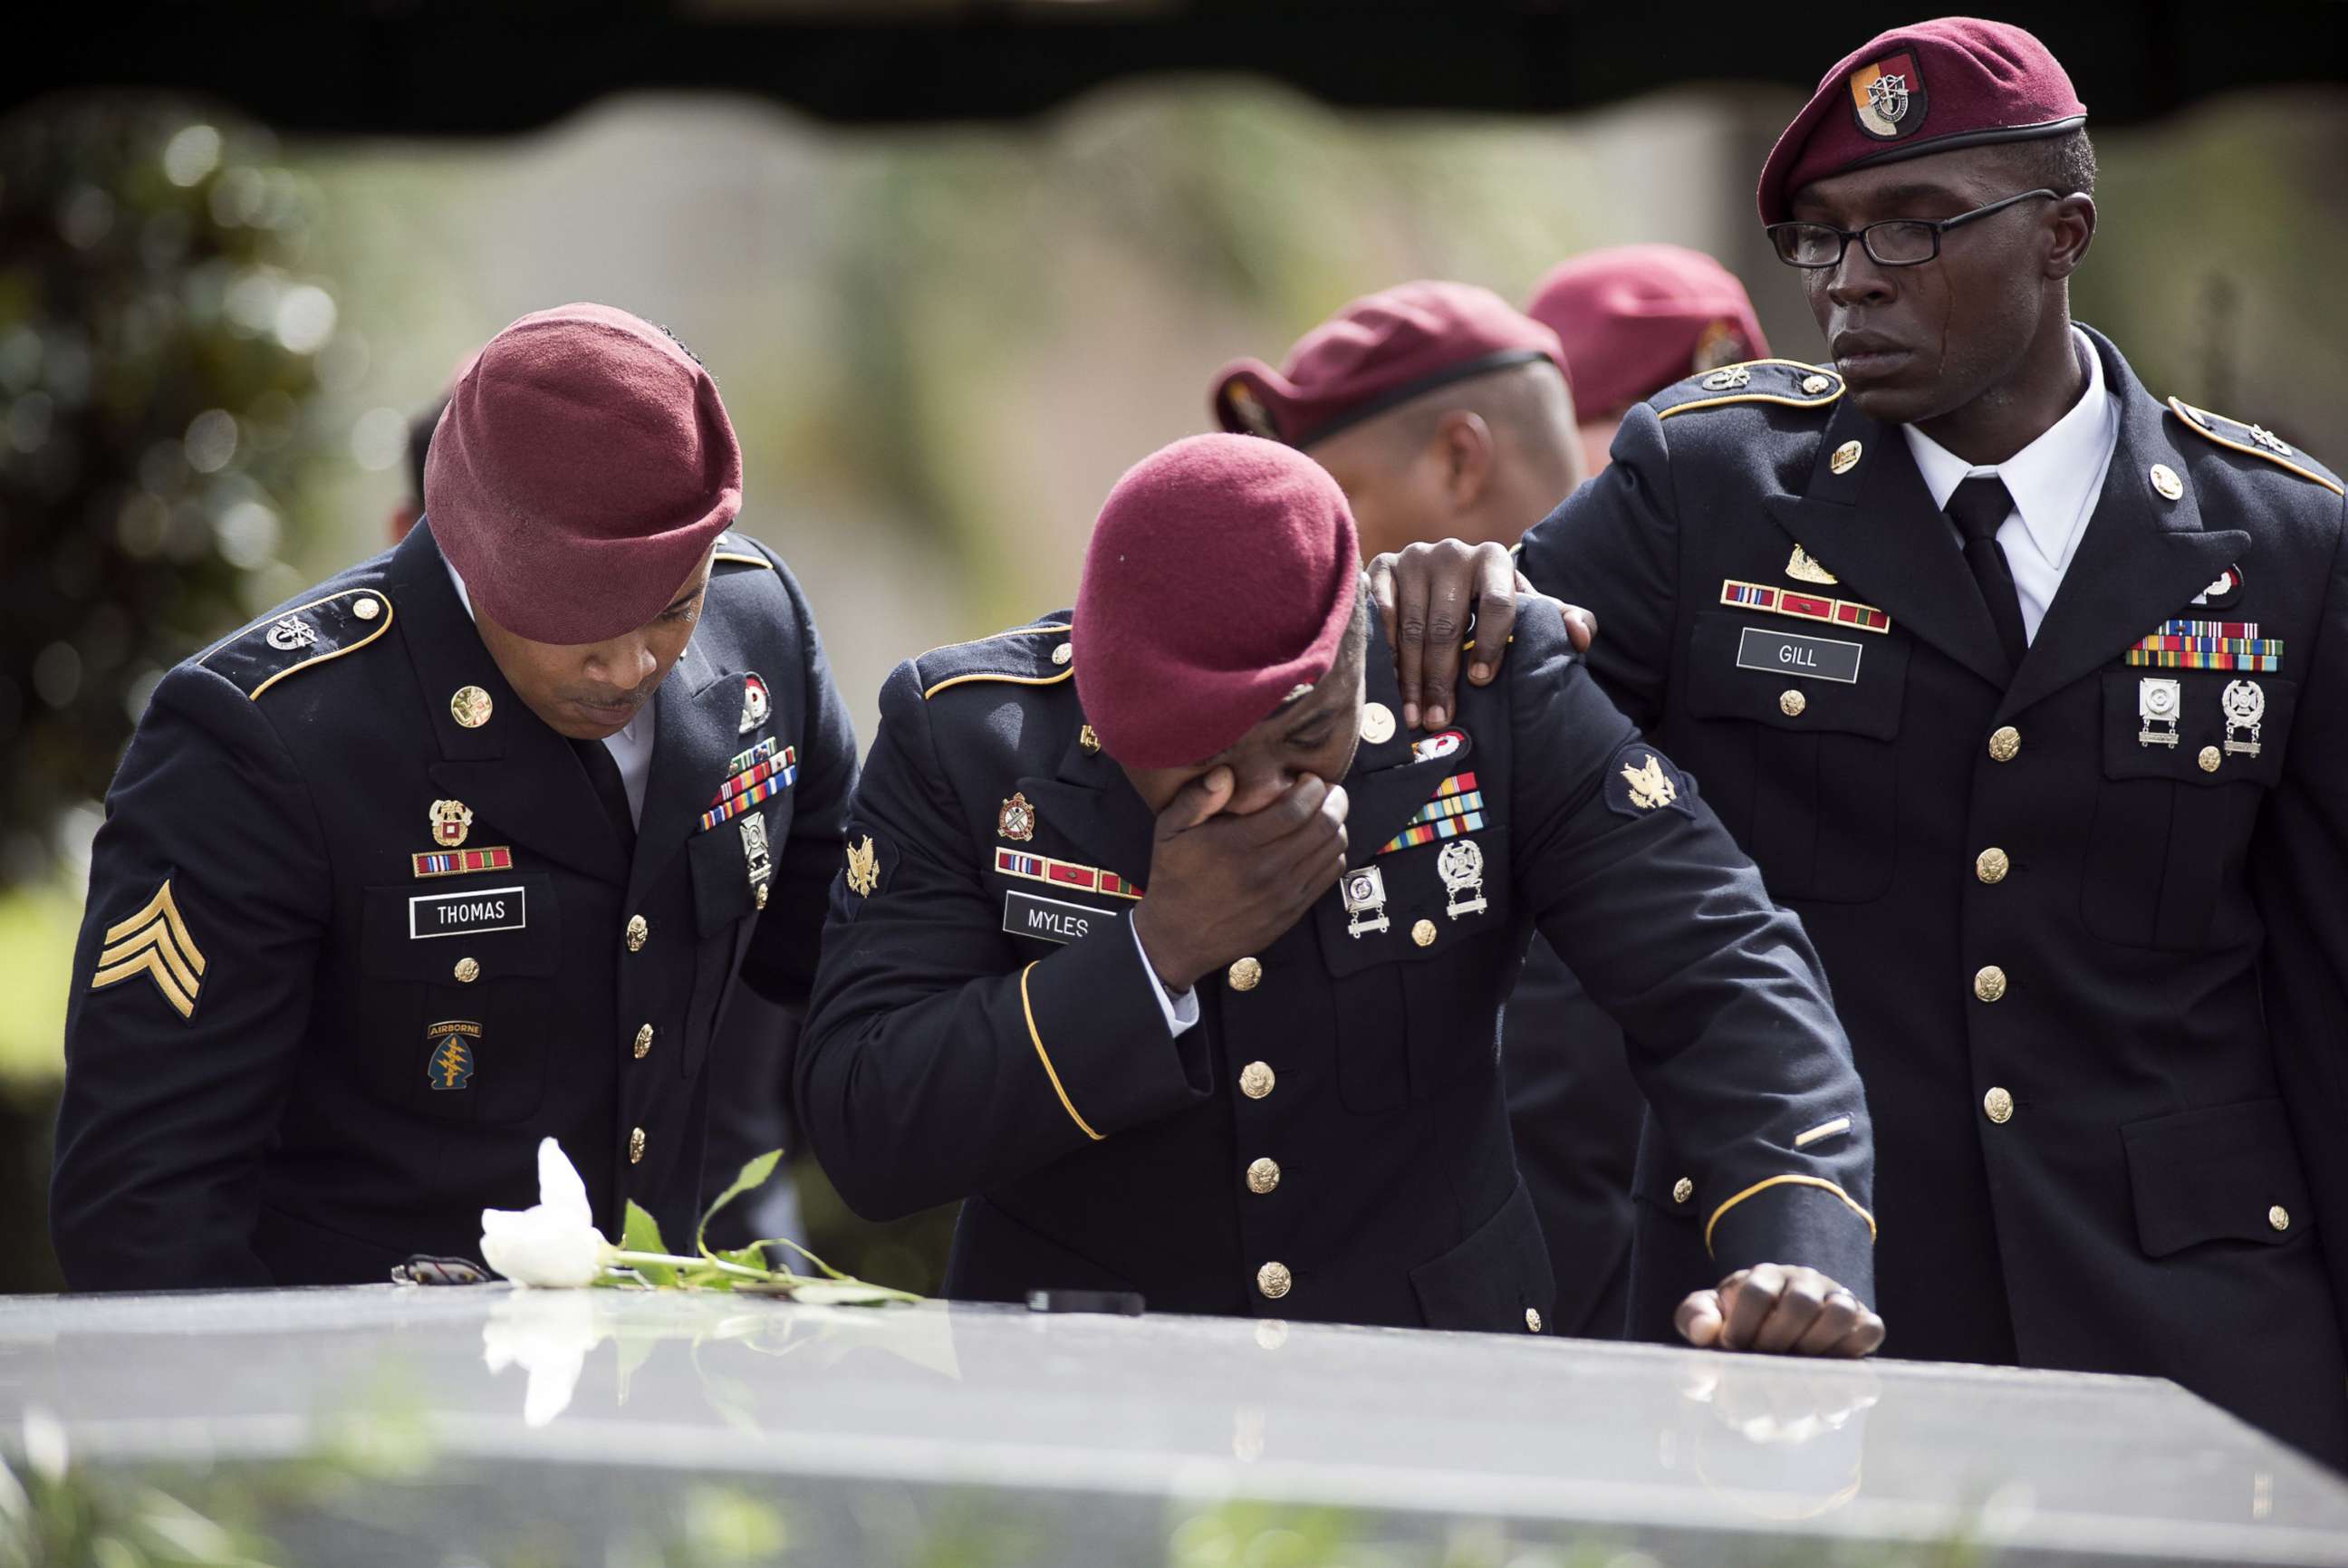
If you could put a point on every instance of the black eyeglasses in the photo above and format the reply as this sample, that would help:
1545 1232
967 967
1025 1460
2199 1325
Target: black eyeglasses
1895 242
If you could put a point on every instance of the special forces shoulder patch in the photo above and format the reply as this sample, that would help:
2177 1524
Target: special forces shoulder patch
1641 781
2257 441
450 1054
1786 382
266 652
1040 655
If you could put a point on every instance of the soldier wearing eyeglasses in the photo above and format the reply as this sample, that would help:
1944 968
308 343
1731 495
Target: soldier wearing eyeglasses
2012 677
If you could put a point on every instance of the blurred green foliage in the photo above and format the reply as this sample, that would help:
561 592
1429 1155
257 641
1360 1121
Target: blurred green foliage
159 364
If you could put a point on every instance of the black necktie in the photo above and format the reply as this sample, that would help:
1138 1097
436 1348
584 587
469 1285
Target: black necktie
610 789
1980 504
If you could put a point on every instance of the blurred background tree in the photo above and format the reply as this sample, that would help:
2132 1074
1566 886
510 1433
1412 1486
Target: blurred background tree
159 364
161 353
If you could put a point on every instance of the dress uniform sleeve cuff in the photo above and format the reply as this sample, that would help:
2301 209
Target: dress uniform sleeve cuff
1800 1219
1095 1018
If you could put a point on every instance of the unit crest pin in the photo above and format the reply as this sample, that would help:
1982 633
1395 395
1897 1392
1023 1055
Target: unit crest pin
1461 866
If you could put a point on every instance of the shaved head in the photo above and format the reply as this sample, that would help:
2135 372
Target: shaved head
1482 459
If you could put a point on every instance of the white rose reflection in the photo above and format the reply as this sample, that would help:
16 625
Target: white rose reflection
550 1333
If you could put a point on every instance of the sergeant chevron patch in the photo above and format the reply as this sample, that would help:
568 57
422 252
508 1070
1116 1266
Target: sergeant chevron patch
154 943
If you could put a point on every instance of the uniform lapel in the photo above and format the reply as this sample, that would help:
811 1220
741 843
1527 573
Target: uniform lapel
1385 787
520 778
1087 807
2142 559
698 718
1875 527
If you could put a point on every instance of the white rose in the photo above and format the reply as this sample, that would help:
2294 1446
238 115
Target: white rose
555 1244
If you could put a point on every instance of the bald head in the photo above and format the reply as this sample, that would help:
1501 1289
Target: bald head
1483 458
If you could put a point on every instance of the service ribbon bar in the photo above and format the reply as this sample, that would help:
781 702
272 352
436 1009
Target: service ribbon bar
2208 646
734 806
1802 606
756 754
1063 873
1442 828
754 775
456 863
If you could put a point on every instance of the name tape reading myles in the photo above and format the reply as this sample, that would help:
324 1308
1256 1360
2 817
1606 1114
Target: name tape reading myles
464 914
1784 652
1051 919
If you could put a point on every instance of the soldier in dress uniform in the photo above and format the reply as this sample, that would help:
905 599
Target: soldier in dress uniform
1161 945
1632 319
1442 412
460 849
2010 675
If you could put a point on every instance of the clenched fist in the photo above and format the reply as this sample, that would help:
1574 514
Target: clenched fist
1779 1309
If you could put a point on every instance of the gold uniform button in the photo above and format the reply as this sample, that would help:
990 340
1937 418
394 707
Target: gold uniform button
1274 1279
1423 933
2210 759
1263 1176
2003 743
2279 1217
1811 387
1256 1079
636 1146
468 971
639 932
1989 983
470 707
1792 703
1991 864
1683 1189
367 609
1245 976
1063 654
644 1041
1998 1105
1532 1319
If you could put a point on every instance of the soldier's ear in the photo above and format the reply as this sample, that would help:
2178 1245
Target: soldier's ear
2071 224
1469 454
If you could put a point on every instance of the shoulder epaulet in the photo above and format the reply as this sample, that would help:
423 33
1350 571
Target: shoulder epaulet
300 638
735 549
1038 655
1788 382
2255 440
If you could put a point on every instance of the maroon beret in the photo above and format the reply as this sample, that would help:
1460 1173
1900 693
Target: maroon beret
582 467
1955 82
1220 577
1379 351
1635 318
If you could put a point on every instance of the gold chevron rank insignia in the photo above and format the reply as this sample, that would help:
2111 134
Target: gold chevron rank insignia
154 943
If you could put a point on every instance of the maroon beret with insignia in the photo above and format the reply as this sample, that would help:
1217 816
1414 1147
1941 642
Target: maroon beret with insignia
1633 319
1220 577
583 465
1951 83
1380 351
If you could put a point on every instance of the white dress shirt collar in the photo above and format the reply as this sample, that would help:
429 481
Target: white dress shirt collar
2055 479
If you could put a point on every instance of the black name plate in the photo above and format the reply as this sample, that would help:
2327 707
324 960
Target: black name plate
463 914
1051 919
1785 654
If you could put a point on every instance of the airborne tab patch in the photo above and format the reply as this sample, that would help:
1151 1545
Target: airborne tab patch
154 943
